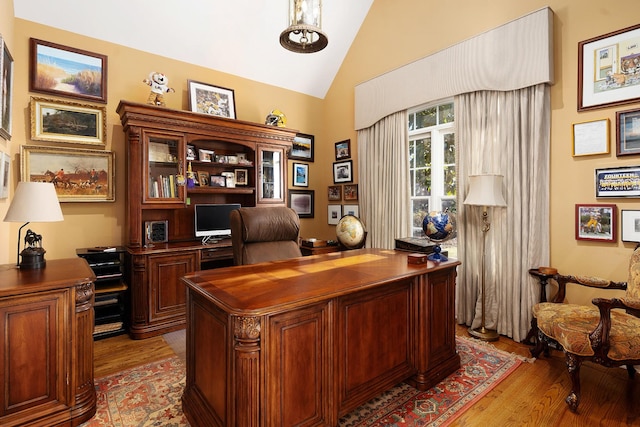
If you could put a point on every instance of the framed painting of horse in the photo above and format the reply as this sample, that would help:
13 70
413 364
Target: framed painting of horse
79 175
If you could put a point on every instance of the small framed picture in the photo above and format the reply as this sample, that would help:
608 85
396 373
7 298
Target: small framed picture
627 135
596 222
343 149
334 214
351 210
230 179
300 175
302 147
191 152
205 155
301 201
618 182
351 192
630 225
343 172
335 193
6 83
241 176
203 179
218 181
213 100
591 138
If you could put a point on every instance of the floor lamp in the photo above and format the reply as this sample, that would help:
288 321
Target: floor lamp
484 190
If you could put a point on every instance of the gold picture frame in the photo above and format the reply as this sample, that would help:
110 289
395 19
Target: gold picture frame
68 122
79 175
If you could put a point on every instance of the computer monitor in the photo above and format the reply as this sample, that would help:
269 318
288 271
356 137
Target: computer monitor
212 221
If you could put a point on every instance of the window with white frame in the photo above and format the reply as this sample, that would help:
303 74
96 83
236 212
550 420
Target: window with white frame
432 162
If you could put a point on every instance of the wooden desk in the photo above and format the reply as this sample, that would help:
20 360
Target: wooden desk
46 344
307 340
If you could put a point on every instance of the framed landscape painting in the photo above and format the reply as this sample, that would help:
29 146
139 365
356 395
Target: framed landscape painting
62 70
302 147
66 121
79 175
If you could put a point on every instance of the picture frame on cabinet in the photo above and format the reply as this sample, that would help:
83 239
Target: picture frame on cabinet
205 155
68 122
84 73
212 100
203 179
343 172
218 181
301 201
334 214
627 137
606 72
303 146
351 192
596 222
591 138
343 149
241 176
300 175
79 175
335 193
351 210
630 225
5 173
6 90
618 182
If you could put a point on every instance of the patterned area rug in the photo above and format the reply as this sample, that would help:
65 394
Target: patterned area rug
150 395
482 368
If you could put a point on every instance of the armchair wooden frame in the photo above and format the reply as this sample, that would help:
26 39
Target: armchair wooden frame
599 336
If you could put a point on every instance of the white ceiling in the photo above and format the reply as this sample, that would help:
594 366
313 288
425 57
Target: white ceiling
239 37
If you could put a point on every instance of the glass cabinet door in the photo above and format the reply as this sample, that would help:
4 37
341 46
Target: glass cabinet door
164 174
271 178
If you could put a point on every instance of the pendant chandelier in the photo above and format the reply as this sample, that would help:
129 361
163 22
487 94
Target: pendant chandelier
304 34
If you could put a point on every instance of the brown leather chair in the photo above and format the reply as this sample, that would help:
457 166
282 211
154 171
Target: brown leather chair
264 234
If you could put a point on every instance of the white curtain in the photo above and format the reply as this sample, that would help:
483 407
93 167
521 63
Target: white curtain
505 133
383 176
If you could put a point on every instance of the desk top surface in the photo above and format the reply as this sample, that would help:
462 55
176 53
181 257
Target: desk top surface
57 273
265 287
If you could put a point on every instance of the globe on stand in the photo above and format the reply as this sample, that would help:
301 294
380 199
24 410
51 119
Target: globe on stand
350 232
439 227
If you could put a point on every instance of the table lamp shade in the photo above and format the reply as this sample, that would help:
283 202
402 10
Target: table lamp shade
34 202
485 190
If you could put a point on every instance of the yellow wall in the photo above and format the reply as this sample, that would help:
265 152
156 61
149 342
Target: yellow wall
6 30
394 33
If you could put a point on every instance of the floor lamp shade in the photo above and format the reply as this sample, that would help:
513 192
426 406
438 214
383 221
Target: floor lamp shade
33 202
484 190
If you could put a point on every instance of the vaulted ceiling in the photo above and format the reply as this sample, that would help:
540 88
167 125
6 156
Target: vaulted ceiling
239 37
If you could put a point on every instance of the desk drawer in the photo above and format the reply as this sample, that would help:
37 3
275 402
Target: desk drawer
216 253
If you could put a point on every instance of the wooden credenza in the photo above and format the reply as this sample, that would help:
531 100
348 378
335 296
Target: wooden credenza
307 340
46 344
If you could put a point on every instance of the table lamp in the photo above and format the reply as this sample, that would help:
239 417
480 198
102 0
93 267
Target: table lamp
484 190
33 202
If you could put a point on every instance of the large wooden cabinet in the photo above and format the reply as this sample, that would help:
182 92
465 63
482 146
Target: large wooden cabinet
46 344
157 141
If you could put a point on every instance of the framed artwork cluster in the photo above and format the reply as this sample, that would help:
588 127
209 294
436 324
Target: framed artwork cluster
337 193
78 174
598 222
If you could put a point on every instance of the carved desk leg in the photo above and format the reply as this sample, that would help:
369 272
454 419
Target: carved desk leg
247 370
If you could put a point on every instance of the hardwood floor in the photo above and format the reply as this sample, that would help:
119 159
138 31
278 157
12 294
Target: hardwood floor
531 396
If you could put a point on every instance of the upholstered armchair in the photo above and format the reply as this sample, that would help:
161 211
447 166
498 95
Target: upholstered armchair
264 234
599 333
